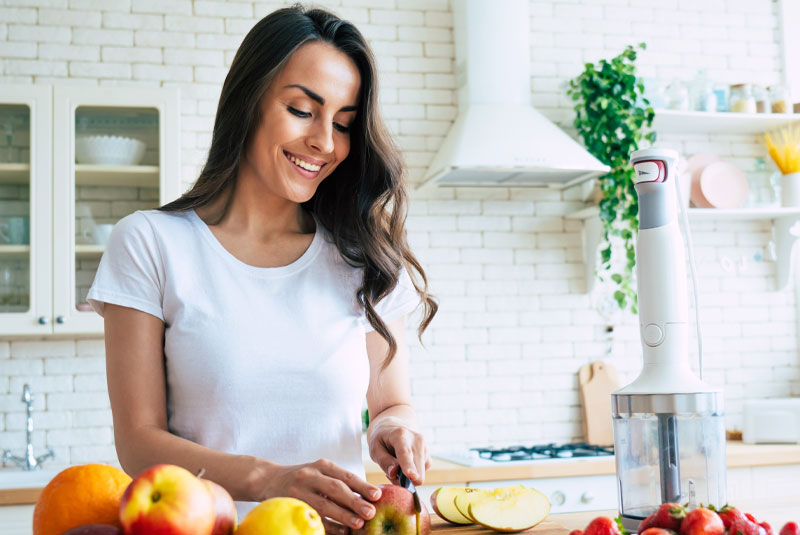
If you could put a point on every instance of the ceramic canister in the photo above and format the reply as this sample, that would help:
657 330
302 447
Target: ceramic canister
790 189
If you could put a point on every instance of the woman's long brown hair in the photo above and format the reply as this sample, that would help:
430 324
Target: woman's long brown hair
363 202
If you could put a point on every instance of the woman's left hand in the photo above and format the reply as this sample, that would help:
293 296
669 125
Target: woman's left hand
393 444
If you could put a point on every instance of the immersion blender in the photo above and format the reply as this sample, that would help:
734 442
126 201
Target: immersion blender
669 434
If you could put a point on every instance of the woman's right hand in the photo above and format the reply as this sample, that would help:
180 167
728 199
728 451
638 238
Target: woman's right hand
327 488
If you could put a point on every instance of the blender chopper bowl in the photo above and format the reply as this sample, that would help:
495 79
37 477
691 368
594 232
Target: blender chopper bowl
669 432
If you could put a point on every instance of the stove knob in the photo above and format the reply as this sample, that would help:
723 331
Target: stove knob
558 498
587 498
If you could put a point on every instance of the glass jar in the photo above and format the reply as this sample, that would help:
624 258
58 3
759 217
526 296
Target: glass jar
721 93
702 93
778 98
761 192
677 96
741 99
762 100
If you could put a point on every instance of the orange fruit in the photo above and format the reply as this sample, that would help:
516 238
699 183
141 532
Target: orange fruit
83 494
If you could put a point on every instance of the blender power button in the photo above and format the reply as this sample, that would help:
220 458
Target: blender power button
653 335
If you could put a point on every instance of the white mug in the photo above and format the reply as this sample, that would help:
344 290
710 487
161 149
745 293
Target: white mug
99 234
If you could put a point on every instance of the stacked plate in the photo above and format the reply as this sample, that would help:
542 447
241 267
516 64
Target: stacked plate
715 182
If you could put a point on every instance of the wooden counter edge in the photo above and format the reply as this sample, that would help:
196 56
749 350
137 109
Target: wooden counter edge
19 496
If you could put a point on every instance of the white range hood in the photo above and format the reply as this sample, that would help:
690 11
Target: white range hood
498 138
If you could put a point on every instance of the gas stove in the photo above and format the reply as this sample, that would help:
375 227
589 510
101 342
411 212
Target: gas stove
490 456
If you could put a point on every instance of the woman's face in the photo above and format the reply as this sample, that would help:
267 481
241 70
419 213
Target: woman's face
305 119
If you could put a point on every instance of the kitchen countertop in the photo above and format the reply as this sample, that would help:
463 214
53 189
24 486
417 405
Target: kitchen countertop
445 472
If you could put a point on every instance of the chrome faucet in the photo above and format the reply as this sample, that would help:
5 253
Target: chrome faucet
30 461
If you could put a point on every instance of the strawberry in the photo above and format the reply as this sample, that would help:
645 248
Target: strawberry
767 528
751 518
728 514
744 526
702 521
602 525
658 531
668 516
790 528
576 532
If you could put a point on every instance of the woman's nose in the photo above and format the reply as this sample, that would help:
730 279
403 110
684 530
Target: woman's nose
321 138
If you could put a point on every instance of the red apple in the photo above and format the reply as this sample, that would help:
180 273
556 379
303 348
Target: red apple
94 529
225 519
395 515
167 500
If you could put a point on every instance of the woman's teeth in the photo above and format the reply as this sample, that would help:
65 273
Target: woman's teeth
305 165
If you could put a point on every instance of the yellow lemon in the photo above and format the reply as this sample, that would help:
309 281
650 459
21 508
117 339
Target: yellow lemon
282 516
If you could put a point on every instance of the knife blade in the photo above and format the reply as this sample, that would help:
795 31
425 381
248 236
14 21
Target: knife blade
407 484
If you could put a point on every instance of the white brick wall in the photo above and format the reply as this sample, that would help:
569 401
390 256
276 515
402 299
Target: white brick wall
500 360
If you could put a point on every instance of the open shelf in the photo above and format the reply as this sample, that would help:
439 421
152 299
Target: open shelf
15 173
14 251
703 122
711 213
89 250
117 175
785 225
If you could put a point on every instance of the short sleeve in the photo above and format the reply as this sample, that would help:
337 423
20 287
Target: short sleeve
131 270
401 301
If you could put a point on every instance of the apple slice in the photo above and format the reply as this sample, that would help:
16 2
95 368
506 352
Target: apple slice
510 509
443 504
462 501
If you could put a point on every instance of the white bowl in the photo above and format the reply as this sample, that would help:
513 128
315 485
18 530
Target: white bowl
109 150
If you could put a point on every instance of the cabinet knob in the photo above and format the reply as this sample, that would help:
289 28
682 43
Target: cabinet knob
558 498
60 319
42 320
586 498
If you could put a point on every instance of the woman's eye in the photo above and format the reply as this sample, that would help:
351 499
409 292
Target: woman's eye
295 111
341 128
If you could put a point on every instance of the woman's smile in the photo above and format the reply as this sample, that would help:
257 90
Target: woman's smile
304 165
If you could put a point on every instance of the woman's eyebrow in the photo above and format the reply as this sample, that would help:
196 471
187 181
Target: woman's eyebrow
315 97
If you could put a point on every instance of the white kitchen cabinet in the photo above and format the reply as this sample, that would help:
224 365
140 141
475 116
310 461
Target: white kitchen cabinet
44 278
16 519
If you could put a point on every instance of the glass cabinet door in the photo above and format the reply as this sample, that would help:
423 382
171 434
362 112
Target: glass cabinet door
116 173
15 209
25 147
115 163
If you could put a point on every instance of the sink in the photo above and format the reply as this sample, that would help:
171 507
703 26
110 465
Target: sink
19 479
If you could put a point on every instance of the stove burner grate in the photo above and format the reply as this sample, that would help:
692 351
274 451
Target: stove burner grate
543 451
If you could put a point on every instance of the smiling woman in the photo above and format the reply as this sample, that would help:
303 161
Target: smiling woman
249 318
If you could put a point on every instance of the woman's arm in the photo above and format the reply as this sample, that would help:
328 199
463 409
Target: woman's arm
393 435
138 394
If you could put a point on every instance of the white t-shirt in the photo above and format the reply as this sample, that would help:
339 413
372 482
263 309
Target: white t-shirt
269 362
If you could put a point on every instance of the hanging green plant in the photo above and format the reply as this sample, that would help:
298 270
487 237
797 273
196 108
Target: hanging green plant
612 122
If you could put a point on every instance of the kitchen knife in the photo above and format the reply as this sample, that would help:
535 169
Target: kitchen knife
407 484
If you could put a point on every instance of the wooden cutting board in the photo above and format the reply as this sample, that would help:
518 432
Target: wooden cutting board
597 380
545 528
